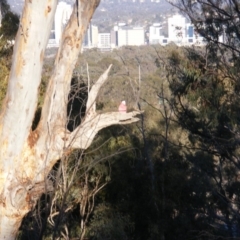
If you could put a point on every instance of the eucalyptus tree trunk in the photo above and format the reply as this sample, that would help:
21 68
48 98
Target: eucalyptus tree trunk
27 156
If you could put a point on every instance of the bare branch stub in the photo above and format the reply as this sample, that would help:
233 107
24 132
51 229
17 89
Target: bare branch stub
83 136
91 103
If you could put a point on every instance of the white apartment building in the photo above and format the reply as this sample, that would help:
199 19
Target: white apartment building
62 15
130 36
136 36
91 37
177 28
155 36
104 41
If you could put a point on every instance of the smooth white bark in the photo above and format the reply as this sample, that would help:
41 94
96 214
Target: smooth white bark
18 112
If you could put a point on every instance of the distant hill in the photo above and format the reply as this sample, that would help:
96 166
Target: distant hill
17 5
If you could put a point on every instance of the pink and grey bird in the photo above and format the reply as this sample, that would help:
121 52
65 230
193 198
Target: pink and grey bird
122 107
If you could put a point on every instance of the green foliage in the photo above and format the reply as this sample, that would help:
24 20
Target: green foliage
205 102
108 223
104 63
9 27
4 72
4 7
5 61
8 31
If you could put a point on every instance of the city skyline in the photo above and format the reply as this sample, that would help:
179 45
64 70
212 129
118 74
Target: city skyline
175 28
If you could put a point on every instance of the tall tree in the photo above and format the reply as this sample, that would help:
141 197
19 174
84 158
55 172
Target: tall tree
27 155
205 86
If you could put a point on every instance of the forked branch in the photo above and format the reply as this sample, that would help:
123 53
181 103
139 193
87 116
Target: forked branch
83 136
91 103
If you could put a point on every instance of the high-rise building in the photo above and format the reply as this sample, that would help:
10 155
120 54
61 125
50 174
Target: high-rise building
104 41
155 33
177 28
114 37
91 37
129 36
62 15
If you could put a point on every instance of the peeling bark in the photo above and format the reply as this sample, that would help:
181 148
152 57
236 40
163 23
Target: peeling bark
27 156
